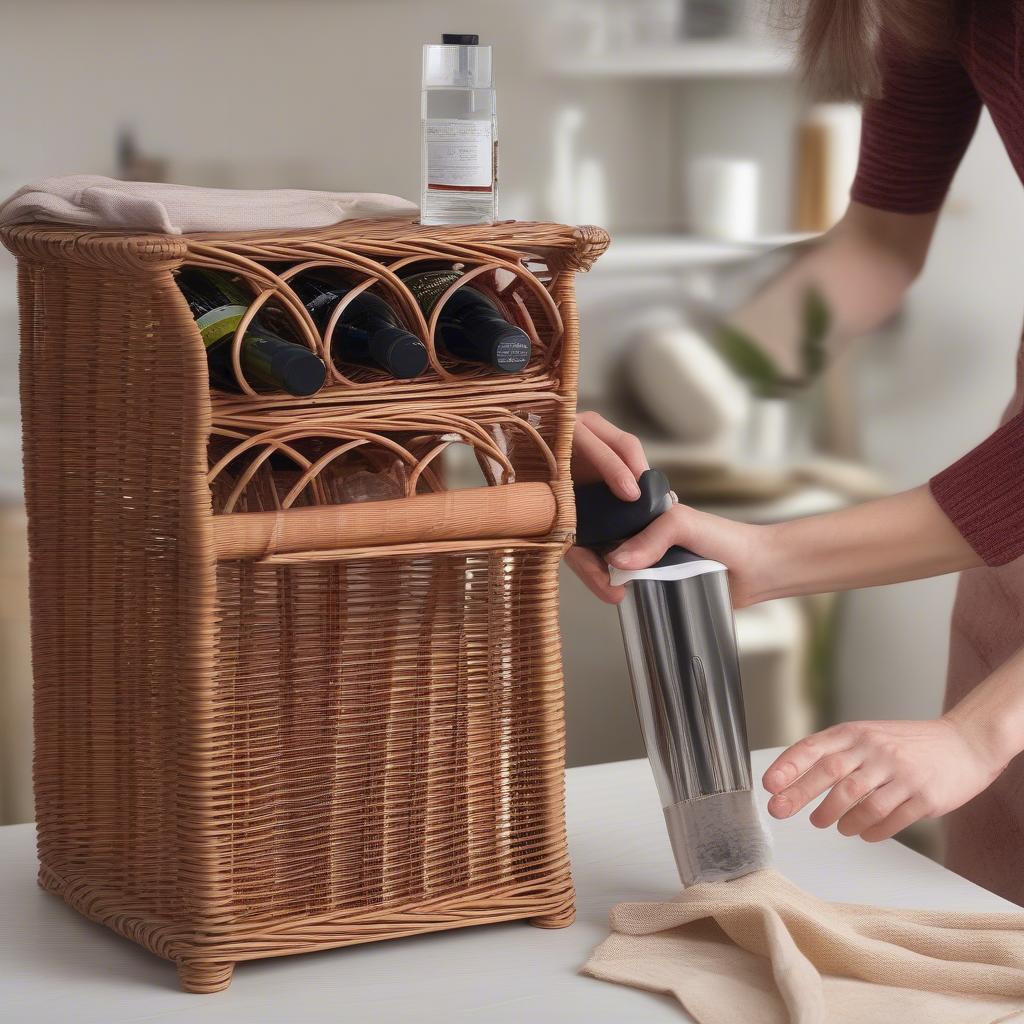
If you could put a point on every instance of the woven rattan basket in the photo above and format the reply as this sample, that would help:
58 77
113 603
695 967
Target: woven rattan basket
271 717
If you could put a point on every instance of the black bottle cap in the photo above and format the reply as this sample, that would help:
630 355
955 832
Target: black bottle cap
300 371
604 521
457 39
403 354
511 349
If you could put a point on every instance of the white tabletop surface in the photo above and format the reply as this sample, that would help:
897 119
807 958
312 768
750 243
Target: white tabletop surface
57 966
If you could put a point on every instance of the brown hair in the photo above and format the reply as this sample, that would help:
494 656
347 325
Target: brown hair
839 39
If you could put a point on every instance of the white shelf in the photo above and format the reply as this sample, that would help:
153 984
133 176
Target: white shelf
684 60
659 252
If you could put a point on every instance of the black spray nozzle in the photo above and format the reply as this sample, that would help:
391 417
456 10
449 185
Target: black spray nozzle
603 520
460 39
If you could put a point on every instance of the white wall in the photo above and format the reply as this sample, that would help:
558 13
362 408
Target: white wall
326 93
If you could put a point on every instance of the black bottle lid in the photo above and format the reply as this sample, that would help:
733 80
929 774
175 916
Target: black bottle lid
604 520
458 39
403 354
300 371
511 349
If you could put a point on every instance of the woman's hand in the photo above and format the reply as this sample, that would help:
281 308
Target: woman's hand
882 776
601 451
747 551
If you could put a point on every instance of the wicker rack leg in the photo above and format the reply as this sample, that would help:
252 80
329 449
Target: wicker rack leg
205 976
560 918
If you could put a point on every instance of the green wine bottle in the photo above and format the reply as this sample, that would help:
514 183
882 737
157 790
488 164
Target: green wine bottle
470 327
269 362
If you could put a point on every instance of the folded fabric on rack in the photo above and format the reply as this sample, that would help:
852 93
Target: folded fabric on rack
91 200
760 950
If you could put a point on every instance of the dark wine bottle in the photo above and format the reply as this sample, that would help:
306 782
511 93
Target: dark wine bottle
368 332
470 327
269 362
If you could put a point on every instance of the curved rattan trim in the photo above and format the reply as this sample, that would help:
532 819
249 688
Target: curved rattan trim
439 430
249 262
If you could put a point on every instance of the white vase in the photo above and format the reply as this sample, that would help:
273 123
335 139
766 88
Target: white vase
770 439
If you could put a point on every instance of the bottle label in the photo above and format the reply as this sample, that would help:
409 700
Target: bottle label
219 322
459 154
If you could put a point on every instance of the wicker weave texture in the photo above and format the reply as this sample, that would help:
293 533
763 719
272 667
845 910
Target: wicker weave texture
246 747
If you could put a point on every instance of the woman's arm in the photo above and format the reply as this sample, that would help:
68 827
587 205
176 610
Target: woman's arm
861 268
902 537
912 140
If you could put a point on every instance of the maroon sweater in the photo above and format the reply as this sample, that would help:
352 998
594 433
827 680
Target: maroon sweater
912 141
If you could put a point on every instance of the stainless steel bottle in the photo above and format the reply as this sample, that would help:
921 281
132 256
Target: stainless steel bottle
677 624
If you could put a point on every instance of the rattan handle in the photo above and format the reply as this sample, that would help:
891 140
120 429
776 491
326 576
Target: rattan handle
480 513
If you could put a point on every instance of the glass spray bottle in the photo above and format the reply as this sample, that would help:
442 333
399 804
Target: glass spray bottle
459 182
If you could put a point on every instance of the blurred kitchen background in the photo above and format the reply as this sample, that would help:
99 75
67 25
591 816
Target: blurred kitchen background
677 124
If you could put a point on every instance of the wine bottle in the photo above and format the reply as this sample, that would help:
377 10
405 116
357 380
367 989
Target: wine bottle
269 362
368 332
470 327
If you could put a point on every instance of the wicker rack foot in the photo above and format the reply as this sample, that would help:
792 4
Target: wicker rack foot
561 919
203 976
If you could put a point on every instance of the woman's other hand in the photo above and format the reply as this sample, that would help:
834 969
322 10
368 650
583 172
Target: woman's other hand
882 776
601 451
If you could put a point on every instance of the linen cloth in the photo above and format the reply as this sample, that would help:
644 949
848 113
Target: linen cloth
90 200
759 950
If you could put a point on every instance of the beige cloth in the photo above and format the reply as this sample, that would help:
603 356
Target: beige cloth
90 200
759 950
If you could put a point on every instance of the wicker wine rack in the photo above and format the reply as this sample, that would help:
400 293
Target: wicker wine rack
273 716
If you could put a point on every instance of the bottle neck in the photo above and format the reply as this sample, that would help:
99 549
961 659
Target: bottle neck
269 363
402 354
471 326
372 310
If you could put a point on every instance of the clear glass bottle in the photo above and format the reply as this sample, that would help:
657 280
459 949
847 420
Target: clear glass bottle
459 177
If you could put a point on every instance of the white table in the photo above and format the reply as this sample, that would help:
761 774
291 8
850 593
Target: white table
56 966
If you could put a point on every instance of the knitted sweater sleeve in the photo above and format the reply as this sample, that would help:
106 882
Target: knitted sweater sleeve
913 137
